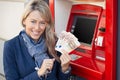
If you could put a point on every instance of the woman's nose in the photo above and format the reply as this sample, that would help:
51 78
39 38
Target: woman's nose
37 26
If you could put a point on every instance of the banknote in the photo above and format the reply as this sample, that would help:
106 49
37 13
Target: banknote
66 41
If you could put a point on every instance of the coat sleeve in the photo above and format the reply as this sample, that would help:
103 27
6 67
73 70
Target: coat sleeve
61 75
10 67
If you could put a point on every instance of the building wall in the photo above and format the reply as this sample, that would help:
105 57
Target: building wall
62 12
10 15
1 56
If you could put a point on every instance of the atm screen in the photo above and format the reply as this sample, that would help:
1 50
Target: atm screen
83 28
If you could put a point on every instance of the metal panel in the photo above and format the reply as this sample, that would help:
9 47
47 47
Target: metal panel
118 43
111 40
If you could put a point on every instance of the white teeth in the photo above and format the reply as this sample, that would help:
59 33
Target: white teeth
36 33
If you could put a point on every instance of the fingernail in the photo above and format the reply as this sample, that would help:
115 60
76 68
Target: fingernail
53 59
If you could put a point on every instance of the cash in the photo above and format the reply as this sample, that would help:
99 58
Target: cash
66 41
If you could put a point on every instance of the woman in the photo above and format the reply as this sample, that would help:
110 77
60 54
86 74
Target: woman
31 55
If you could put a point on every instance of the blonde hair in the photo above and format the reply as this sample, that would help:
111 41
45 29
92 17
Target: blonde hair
49 34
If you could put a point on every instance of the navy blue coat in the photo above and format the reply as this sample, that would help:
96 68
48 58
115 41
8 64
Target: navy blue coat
19 65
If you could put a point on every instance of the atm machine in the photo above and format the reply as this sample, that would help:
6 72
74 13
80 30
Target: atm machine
96 30
87 23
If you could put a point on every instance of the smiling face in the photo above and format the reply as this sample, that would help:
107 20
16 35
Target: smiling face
34 25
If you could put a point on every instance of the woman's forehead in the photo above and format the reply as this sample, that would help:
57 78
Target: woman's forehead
35 15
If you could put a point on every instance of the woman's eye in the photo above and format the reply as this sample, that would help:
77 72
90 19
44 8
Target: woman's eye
42 23
32 21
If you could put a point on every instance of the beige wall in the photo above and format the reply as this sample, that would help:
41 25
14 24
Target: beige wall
1 56
10 15
62 12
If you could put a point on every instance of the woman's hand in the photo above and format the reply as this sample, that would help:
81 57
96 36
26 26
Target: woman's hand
65 61
47 65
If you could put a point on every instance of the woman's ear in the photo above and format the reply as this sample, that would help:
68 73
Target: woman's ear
24 23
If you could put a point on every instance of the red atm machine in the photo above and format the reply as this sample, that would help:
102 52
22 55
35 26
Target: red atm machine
96 30
87 23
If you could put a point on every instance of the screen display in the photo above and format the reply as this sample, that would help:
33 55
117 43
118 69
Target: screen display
83 28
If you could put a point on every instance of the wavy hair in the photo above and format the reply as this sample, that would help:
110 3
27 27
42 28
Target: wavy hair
49 34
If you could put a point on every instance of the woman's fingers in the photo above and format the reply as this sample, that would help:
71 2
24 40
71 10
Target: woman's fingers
65 61
49 63
46 66
65 55
65 58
